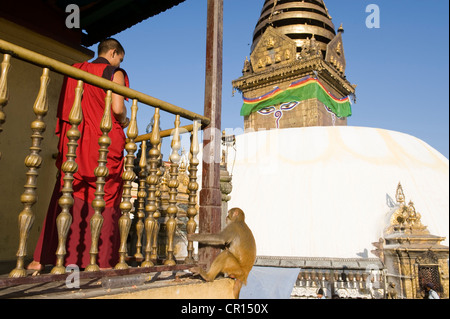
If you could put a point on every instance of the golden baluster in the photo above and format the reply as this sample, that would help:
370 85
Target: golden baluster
162 200
152 181
172 210
33 162
128 176
101 172
70 167
4 68
192 187
157 213
141 201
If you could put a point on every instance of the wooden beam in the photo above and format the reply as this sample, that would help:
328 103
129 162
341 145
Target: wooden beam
210 196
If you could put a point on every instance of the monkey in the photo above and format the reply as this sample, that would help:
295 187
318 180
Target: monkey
239 255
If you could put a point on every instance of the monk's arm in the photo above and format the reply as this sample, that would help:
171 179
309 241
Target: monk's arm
118 105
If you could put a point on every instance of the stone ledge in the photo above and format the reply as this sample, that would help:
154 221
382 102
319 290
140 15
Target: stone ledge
221 288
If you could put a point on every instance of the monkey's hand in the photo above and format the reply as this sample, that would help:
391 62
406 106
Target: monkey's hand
200 271
195 270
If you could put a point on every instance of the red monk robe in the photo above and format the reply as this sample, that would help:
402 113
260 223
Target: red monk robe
84 184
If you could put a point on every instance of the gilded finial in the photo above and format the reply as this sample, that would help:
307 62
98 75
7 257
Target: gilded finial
246 67
400 196
176 143
194 143
155 137
132 131
41 104
143 159
106 123
76 114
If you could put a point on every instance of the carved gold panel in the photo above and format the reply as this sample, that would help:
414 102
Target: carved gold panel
335 53
274 48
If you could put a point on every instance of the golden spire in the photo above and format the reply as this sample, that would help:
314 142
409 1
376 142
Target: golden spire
298 20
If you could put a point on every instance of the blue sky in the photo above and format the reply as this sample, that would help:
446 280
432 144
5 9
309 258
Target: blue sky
401 68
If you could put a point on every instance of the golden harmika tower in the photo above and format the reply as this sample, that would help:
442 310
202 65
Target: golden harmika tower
296 73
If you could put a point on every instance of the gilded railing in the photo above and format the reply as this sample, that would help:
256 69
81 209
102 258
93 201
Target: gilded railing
148 211
62 68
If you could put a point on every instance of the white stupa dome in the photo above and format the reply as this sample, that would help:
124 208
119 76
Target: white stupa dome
326 191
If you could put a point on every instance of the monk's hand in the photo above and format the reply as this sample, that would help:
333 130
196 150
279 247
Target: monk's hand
125 123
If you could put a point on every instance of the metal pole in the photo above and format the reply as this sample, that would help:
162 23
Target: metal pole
210 195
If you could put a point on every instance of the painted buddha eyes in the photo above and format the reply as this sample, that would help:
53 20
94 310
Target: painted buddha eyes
278 112
284 107
288 106
267 110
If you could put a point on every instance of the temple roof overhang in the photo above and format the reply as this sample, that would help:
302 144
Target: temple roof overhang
104 18
319 262
293 71
99 19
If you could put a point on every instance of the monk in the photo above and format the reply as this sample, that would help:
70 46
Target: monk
107 65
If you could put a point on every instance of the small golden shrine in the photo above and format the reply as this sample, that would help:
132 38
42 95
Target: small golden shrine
412 256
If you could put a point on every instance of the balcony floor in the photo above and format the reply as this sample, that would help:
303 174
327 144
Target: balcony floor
162 282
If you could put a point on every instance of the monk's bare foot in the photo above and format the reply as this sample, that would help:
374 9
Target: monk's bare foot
35 265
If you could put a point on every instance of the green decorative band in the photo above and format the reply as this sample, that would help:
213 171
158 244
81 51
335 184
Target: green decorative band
303 89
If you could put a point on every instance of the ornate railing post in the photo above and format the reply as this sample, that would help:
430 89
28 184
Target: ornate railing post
151 223
141 195
33 162
128 176
157 213
172 210
225 179
70 167
101 172
4 68
192 187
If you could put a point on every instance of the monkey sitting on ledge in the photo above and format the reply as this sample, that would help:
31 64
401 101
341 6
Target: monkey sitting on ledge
239 255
